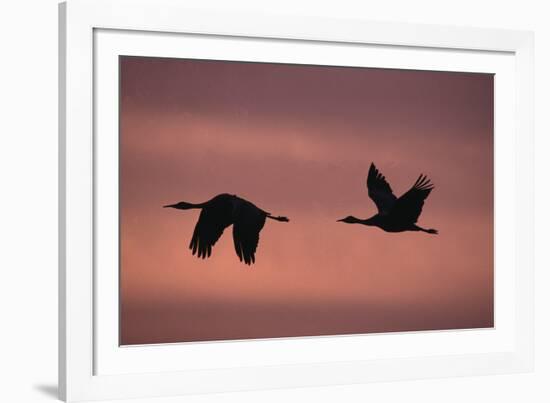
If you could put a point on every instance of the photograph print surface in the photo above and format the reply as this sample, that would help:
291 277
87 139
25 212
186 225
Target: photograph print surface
263 200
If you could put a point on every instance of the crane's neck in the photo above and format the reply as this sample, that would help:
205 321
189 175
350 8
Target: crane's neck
354 220
369 221
185 205
372 221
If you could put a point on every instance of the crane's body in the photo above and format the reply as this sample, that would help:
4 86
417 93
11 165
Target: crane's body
219 213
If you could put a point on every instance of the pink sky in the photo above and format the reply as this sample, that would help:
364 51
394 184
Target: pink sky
298 141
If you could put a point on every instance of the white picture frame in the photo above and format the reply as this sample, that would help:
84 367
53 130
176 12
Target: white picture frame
85 334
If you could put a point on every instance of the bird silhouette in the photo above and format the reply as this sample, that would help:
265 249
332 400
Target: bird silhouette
395 214
219 213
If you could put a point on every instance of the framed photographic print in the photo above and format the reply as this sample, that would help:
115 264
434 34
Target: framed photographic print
255 201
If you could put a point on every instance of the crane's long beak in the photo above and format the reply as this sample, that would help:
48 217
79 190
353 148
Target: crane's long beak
170 205
341 220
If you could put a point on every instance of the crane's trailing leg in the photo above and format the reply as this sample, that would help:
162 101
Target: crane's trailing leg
429 231
278 218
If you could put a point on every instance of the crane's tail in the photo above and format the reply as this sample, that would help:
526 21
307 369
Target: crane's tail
278 218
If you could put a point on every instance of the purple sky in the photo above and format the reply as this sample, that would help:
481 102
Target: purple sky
298 141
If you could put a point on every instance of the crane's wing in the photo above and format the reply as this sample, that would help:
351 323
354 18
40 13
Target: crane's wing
380 191
249 221
208 230
409 206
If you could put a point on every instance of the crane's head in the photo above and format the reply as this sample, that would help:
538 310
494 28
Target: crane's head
350 220
181 205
